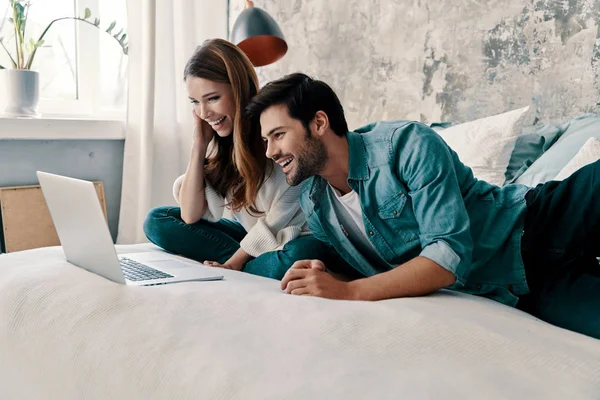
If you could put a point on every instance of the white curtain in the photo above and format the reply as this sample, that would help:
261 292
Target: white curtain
162 36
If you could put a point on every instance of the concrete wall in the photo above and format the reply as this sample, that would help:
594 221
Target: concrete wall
444 60
85 159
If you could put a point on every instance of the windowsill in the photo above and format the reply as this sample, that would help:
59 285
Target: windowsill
61 128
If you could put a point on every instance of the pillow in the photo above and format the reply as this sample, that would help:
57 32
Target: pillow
439 126
589 153
576 133
530 145
486 144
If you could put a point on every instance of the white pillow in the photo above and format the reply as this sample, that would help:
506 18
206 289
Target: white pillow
486 144
589 152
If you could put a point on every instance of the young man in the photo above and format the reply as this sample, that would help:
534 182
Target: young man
401 209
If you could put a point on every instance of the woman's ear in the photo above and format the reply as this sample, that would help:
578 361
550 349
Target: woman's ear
321 123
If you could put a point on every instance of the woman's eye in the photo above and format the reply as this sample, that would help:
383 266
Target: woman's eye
279 135
213 98
194 101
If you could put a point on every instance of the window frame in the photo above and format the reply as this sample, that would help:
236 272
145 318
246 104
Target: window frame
87 50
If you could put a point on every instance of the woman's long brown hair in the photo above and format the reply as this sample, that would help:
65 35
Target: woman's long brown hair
238 164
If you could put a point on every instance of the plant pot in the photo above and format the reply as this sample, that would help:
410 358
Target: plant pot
20 93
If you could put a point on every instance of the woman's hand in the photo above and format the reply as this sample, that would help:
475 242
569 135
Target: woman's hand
235 262
225 266
203 132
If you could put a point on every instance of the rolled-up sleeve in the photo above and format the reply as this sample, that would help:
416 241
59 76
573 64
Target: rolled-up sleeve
442 254
425 163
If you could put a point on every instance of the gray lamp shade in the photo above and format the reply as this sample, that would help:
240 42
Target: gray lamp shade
259 36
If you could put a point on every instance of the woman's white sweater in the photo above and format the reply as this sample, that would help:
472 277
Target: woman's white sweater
281 222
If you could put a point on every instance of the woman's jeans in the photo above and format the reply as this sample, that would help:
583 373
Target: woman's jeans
218 241
560 246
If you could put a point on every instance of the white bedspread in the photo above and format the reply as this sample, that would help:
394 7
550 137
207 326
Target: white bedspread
68 334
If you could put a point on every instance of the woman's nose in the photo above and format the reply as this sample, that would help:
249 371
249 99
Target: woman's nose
203 111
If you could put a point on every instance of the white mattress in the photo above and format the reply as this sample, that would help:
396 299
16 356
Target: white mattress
68 334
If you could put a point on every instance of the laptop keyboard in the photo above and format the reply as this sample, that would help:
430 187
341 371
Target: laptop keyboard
135 271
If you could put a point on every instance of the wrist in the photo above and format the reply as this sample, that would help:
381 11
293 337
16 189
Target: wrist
356 290
233 264
237 267
199 148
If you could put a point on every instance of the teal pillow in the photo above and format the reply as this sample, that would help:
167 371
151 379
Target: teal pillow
575 134
529 146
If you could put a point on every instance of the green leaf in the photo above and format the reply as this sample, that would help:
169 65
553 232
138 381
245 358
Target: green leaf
116 36
111 26
88 13
40 43
1 67
12 60
96 22
30 45
122 40
20 10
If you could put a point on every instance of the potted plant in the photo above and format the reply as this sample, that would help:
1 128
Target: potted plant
19 85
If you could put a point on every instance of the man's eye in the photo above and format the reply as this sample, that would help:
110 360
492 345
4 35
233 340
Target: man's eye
194 101
279 135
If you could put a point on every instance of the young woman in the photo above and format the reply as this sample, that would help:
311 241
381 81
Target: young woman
236 209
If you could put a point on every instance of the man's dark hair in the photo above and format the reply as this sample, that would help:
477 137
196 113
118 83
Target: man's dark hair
303 97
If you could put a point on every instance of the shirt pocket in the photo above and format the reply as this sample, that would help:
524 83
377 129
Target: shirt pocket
397 218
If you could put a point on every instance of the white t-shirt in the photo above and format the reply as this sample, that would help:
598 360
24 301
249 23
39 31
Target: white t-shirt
349 213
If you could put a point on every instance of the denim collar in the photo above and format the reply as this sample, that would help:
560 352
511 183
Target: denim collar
358 168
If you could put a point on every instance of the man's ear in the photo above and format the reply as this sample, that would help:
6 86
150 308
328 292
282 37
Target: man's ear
321 123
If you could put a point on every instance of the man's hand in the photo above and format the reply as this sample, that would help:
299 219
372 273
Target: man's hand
310 278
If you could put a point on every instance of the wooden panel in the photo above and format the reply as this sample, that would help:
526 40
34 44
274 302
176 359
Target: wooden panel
26 220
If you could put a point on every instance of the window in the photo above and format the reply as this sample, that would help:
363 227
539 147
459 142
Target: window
83 70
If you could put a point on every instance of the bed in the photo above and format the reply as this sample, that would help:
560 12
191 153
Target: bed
68 334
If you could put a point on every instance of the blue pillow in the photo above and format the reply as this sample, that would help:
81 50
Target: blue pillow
576 133
529 146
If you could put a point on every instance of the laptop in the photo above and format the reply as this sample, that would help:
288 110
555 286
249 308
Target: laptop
87 243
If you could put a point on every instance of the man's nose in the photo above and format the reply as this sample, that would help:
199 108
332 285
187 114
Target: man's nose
270 150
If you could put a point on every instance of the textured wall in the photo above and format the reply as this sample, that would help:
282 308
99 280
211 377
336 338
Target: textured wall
444 60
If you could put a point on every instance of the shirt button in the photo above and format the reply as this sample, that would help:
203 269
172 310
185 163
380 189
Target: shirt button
395 212
371 233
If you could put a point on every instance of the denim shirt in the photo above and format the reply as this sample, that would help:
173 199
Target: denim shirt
418 199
